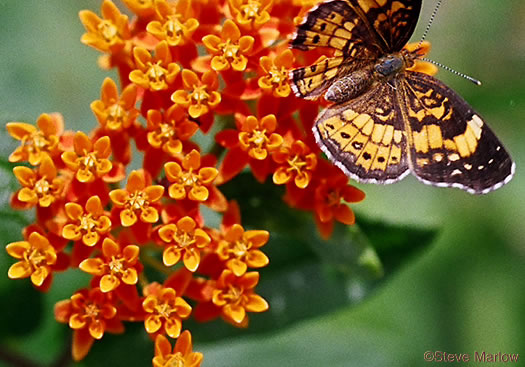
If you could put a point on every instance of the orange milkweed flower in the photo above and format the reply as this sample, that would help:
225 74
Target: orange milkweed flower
275 79
331 198
168 130
41 187
89 160
182 354
257 137
114 266
251 14
87 225
175 26
36 257
235 296
198 96
154 72
240 249
137 198
35 143
184 240
108 34
230 49
297 163
191 180
115 112
164 310
89 313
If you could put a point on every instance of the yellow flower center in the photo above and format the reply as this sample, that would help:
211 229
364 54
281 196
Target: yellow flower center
166 131
108 31
175 360
189 178
89 161
233 295
116 116
137 200
91 310
296 164
258 138
87 223
35 257
165 309
200 95
278 76
240 248
156 75
229 50
184 239
36 141
42 187
174 27
251 10
116 265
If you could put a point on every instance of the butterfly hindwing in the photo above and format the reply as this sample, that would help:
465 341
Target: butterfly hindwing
365 136
450 144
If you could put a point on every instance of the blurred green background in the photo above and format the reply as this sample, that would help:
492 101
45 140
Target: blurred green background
464 293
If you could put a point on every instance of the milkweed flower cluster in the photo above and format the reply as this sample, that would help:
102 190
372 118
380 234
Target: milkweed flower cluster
211 68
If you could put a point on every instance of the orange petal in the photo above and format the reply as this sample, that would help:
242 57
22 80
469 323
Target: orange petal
191 259
18 249
19 270
173 327
108 283
171 256
127 218
256 303
92 266
152 324
149 215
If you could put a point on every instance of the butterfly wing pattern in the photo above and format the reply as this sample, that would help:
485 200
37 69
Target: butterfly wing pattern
380 129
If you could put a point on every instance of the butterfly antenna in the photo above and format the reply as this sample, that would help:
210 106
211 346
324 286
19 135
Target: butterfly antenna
425 33
473 80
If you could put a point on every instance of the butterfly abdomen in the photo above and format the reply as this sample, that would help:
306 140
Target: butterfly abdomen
350 86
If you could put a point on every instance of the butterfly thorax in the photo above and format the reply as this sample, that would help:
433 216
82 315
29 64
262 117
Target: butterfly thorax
357 82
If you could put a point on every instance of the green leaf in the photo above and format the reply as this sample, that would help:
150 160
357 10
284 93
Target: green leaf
396 244
308 276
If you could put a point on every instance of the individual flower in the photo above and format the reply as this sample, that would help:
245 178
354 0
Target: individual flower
108 34
184 240
296 163
115 265
198 96
115 112
230 49
165 310
41 187
168 130
257 137
90 313
235 296
87 225
89 160
331 196
240 249
174 26
36 256
137 198
251 14
275 78
36 143
154 72
189 180
181 355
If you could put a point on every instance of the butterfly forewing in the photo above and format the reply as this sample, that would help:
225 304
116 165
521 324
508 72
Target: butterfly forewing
450 144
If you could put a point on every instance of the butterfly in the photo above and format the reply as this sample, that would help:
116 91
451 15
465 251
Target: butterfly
388 120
